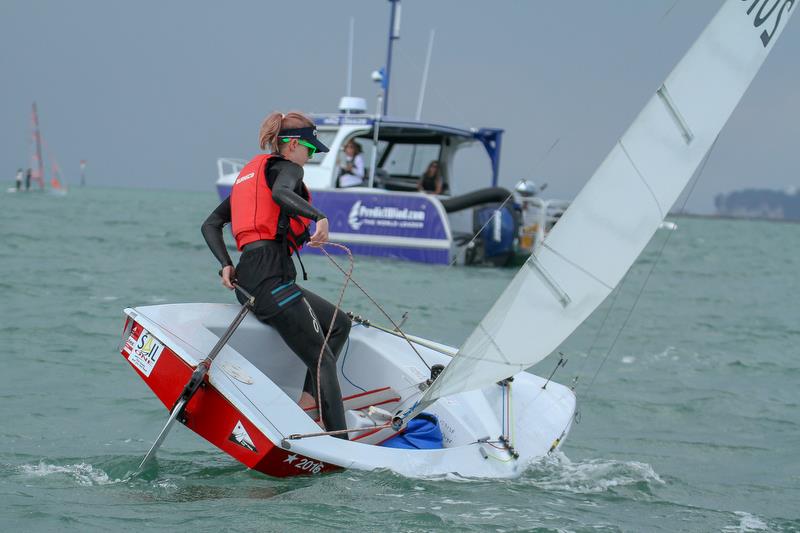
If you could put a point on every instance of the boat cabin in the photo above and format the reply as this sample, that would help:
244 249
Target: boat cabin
405 148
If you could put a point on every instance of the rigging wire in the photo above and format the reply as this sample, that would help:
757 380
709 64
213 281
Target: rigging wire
600 329
477 234
349 277
668 11
465 247
652 268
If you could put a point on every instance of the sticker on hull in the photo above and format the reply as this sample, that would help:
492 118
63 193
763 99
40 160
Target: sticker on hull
144 352
241 437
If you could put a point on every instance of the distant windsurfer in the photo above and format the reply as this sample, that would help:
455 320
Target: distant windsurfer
28 176
270 210
20 174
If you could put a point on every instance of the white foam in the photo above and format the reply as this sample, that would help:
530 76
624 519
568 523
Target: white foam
666 353
84 474
107 298
166 484
747 522
557 472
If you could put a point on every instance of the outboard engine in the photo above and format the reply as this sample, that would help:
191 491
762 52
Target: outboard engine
497 241
495 244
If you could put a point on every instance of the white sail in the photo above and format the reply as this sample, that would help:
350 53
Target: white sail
617 212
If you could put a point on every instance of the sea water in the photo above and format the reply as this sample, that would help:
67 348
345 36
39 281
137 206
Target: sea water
688 385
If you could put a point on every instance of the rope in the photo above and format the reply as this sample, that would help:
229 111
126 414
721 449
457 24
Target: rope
298 436
347 277
371 299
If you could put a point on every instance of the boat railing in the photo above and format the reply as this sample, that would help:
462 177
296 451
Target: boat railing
547 214
227 166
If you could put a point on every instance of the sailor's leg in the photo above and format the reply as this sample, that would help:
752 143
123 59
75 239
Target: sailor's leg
324 311
300 328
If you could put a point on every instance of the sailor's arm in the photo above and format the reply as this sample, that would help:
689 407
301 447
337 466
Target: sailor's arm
291 203
212 232
283 193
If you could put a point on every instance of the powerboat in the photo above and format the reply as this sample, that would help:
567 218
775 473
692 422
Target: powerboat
473 221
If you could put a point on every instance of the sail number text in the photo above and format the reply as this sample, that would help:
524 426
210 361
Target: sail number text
768 11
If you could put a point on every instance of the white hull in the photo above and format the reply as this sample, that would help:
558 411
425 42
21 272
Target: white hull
261 379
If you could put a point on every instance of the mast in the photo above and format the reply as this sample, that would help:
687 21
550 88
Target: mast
37 138
394 33
350 57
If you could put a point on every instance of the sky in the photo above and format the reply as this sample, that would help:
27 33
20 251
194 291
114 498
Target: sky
151 93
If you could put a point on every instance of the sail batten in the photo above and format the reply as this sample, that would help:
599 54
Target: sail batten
615 215
579 267
675 113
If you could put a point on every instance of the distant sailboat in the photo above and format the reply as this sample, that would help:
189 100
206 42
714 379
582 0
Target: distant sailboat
35 173
57 185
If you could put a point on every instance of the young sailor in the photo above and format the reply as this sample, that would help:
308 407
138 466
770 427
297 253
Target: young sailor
270 210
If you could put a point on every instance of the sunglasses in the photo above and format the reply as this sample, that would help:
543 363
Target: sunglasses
311 148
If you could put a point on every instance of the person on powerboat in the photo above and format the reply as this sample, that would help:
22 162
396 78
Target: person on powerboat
431 181
351 170
270 209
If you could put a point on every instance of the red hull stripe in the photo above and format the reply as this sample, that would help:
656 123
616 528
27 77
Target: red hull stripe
213 417
362 400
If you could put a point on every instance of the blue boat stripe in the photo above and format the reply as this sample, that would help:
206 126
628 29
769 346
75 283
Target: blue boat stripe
289 299
278 289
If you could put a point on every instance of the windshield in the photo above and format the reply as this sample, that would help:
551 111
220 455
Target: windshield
327 137
411 159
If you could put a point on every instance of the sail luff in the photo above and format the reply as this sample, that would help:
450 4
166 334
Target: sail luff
620 208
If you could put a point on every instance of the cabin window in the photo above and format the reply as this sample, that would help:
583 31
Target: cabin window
470 169
410 159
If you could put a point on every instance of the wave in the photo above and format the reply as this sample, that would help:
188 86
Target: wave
82 473
556 472
120 469
747 522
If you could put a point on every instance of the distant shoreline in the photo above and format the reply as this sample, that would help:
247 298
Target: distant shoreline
731 217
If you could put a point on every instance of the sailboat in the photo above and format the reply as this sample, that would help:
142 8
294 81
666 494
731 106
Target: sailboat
37 174
57 186
492 426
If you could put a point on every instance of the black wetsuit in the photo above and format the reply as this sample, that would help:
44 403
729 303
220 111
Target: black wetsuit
301 317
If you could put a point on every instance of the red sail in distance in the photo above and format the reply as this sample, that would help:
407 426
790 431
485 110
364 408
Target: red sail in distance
38 163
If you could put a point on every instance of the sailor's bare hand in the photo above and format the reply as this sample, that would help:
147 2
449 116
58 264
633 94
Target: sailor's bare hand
320 233
228 276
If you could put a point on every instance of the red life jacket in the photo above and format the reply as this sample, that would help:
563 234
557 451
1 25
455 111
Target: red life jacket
254 214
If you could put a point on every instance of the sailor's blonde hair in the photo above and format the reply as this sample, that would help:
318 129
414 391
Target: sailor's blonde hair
275 122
